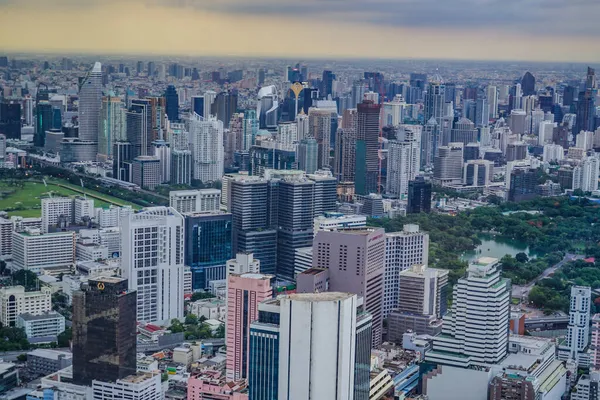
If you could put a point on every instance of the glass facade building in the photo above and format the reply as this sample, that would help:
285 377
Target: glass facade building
208 246
263 379
104 331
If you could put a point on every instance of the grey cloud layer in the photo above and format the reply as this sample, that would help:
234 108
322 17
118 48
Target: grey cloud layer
528 16
540 17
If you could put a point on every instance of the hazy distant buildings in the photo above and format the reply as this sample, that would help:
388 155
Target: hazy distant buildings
90 105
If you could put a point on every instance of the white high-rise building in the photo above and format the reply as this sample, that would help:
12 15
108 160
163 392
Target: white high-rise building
206 138
585 140
82 208
475 330
492 99
152 243
90 105
287 133
402 250
585 175
394 111
54 208
112 216
243 263
578 330
545 131
142 386
317 346
209 99
303 127
404 159
553 152
199 200
112 125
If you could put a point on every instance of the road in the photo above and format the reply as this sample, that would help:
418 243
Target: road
11 356
522 291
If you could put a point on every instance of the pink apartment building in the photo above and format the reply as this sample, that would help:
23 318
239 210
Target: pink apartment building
244 292
214 386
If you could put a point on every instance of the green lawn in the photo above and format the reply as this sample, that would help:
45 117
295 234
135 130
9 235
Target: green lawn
26 201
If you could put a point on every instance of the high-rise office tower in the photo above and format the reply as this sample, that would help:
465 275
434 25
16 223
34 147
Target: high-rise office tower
578 330
104 331
209 98
528 84
470 335
305 346
296 202
419 196
307 154
139 128
586 106
403 163
250 129
267 107
207 246
254 220
448 163
367 148
198 105
320 129
492 100
402 250
356 263
422 302
206 139
328 78
10 118
244 293
112 125
516 151
345 147
181 167
435 100
482 112
224 106
464 131
172 103
522 184
90 104
430 141
478 173
152 243
471 151
151 70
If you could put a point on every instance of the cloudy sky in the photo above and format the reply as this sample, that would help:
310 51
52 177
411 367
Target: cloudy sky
561 30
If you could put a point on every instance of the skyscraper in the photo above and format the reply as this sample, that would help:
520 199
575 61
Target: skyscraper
578 330
209 98
356 263
464 131
139 128
304 346
435 100
10 119
198 105
90 104
470 337
345 147
422 302
319 121
152 243
367 148
172 103
328 78
206 138
528 84
207 246
492 100
104 331
402 250
224 106
419 196
307 155
254 220
448 164
112 125
403 163
244 293
296 204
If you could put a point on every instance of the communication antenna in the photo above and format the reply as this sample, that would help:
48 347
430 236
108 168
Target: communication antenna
46 185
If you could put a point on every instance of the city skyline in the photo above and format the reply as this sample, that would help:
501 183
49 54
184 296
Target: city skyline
493 30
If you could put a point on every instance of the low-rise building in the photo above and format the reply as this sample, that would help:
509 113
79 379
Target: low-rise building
46 361
142 386
211 384
60 384
213 308
34 251
9 376
42 328
14 301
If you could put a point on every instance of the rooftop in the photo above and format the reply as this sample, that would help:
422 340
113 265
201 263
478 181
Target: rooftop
52 354
46 315
324 296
